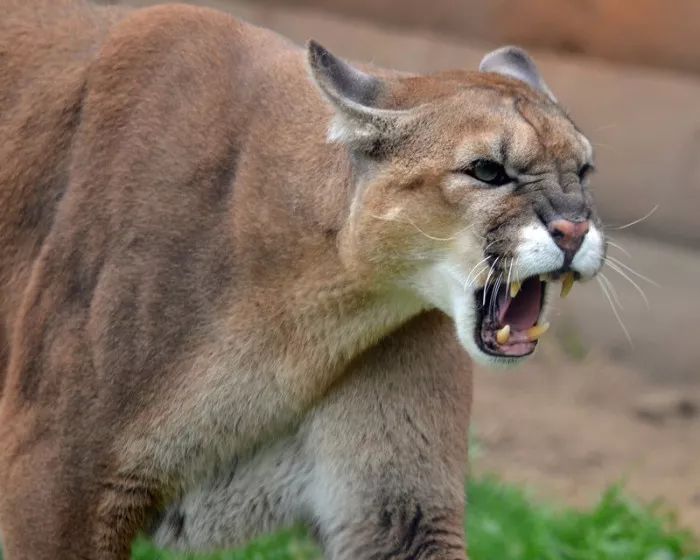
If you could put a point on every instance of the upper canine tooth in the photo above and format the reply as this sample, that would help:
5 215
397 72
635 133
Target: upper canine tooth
533 333
515 289
502 335
567 283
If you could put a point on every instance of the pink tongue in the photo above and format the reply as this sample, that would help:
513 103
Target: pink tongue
522 312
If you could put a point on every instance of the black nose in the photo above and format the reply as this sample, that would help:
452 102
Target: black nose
568 236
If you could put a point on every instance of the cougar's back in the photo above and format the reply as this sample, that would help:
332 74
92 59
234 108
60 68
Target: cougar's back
45 50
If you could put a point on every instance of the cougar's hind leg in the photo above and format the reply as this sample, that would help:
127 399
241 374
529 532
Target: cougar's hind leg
390 451
52 512
30 519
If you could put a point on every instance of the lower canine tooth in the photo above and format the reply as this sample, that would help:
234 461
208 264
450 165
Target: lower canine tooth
502 335
567 283
533 333
515 289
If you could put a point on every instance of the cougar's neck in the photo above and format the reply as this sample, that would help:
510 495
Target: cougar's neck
331 318
290 218
326 308
343 305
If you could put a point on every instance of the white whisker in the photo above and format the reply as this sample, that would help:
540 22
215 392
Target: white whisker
632 271
620 247
617 269
614 309
469 284
613 291
410 222
494 292
510 270
483 303
647 215
485 259
488 245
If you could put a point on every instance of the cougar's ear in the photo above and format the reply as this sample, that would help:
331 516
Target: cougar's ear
359 122
514 62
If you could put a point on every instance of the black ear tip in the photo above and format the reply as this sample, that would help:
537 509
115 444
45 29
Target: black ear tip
515 62
511 54
313 46
515 50
318 55
518 55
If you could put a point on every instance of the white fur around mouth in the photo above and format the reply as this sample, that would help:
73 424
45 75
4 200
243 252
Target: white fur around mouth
446 285
510 343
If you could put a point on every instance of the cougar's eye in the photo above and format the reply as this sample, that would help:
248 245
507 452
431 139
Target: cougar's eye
488 171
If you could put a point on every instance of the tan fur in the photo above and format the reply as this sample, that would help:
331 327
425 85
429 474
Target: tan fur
200 296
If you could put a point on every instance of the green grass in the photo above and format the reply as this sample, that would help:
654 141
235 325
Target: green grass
506 524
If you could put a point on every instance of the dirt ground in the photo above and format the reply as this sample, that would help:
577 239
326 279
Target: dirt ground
569 429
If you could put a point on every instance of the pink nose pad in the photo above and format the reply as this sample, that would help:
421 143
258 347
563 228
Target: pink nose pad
568 235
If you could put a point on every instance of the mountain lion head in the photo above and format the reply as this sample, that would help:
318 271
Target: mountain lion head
470 191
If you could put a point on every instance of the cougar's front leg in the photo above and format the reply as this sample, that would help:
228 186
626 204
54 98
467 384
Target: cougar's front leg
377 469
258 495
390 450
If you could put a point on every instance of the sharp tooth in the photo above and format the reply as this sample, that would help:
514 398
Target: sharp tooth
515 289
533 333
567 283
502 335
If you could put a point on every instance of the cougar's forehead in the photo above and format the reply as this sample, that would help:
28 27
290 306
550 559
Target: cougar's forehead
490 116
522 134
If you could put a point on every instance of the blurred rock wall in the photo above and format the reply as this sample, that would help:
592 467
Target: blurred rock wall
662 33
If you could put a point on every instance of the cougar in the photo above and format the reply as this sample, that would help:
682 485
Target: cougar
242 282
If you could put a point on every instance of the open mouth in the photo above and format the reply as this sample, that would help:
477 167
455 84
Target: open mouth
508 317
